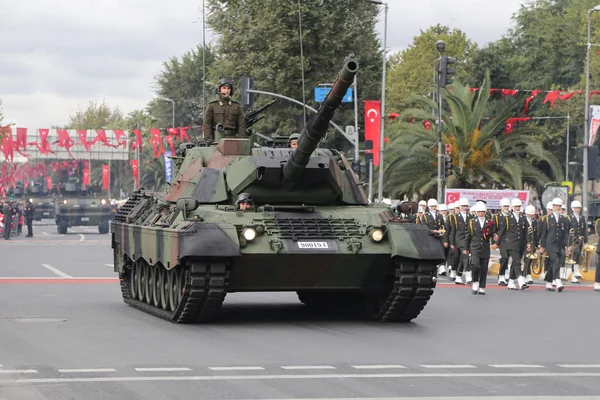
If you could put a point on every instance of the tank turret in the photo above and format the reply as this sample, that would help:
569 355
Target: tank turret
318 125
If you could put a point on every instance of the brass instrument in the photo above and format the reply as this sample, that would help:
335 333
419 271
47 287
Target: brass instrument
588 250
572 243
531 254
537 265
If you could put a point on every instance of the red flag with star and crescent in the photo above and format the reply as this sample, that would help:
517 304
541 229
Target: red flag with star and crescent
373 126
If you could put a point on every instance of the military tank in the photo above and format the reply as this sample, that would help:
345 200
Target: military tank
80 205
42 199
240 218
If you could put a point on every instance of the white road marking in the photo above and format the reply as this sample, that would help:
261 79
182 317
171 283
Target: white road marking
457 398
84 370
28 381
377 366
236 368
448 366
82 237
163 369
55 277
56 271
109 265
516 366
300 367
18 371
579 365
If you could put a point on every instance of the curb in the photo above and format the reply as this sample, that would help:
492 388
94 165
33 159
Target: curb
588 276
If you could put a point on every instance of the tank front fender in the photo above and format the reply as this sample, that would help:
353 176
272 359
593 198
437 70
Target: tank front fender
414 241
211 240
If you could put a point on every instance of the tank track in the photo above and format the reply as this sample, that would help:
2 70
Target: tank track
204 290
408 291
413 286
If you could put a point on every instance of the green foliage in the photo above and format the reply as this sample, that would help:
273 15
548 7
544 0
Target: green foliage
497 58
411 70
96 116
483 157
261 38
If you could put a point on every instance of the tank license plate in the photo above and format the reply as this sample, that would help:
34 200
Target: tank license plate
85 218
47 213
313 245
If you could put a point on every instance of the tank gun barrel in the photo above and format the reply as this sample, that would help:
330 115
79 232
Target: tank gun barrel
318 125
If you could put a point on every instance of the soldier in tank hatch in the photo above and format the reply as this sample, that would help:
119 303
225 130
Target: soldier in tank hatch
224 117
294 140
244 202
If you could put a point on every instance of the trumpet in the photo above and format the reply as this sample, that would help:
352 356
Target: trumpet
572 243
531 254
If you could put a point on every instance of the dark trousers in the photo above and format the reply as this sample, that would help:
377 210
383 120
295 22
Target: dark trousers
7 226
480 270
503 261
463 263
553 268
29 226
455 255
450 259
515 267
526 266
597 280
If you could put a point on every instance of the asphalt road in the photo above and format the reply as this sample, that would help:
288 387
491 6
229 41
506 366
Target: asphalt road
65 333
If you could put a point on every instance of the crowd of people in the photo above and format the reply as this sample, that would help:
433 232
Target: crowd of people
13 215
470 233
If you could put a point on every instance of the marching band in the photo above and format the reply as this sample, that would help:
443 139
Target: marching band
555 245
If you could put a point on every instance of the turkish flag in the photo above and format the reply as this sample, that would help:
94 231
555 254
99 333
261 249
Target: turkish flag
373 126
48 182
105 176
135 171
86 172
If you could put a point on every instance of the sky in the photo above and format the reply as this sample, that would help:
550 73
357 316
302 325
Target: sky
57 55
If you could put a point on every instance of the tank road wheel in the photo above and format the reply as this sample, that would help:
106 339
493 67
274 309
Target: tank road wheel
141 282
191 292
149 284
156 286
134 278
406 291
164 289
172 289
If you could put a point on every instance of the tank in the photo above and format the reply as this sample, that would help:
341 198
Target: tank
309 229
42 199
80 205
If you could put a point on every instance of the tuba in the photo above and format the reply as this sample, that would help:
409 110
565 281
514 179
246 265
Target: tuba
572 243
588 250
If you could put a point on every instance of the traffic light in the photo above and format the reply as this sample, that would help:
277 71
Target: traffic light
447 166
446 75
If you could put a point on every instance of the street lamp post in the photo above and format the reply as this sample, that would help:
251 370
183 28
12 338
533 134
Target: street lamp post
173 103
586 127
382 112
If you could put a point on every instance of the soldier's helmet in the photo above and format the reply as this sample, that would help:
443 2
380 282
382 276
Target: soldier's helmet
244 198
225 82
294 136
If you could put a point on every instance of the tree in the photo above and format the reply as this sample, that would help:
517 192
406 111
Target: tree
483 156
96 116
550 42
181 81
497 58
411 70
261 39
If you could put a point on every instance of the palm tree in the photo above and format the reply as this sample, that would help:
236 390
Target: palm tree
483 156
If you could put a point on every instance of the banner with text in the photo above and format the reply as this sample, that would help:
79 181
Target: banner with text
594 123
491 197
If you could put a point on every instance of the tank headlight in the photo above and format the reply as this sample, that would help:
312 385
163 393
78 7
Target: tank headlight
64 202
31 200
102 201
377 235
249 234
